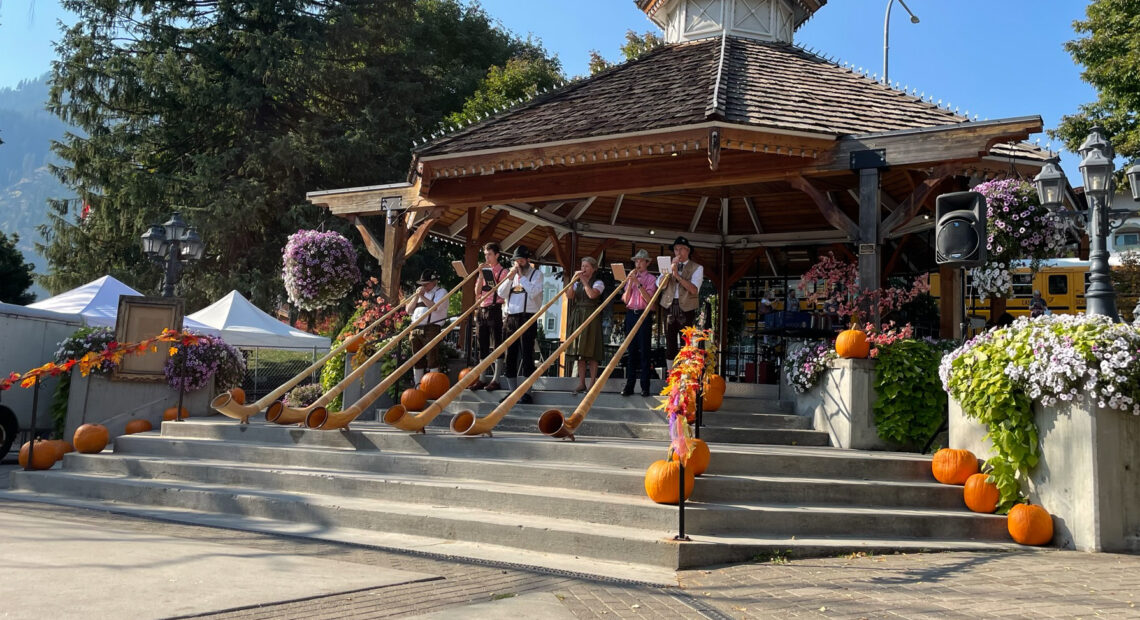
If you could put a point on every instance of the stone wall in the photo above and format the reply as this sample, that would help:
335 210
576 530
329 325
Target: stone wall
95 399
841 404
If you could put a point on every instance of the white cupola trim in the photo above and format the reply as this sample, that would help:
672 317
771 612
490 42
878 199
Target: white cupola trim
765 20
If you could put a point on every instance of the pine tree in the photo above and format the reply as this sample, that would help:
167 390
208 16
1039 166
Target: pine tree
15 273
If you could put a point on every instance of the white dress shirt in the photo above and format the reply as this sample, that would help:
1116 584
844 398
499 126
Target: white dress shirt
697 279
529 299
440 315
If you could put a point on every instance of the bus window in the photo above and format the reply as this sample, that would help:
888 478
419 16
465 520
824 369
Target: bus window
1059 284
1022 285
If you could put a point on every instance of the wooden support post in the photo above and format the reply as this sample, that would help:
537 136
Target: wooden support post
950 303
395 241
869 248
471 261
722 311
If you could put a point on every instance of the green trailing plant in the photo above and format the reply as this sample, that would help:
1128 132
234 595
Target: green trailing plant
911 404
332 373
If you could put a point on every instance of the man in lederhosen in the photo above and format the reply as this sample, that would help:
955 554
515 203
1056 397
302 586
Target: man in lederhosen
522 290
639 288
489 316
426 296
680 299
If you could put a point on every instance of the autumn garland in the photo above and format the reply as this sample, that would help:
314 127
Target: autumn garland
114 353
682 387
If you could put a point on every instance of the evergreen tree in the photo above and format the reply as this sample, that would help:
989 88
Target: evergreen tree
15 274
635 45
1110 54
230 112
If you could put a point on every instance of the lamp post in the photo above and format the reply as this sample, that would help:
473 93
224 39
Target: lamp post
172 244
887 32
1099 219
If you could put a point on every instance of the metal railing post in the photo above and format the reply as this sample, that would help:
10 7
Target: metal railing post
32 441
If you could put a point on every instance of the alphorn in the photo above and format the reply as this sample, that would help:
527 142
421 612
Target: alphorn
465 422
225 404
554 423
399 417
323 419
290 415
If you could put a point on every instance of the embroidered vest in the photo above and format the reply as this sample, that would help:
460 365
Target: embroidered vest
687 300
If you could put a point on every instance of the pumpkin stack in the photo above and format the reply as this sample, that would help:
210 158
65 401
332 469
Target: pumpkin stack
714 393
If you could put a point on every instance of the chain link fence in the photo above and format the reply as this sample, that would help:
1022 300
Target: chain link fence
267 369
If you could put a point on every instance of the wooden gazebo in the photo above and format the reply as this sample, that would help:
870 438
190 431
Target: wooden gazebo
760 152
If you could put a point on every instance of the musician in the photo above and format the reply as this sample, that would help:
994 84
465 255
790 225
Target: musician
489 316
583 299
522 290
680 299
640 286
427 295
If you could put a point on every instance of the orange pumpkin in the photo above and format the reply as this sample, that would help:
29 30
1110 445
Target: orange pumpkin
238 395
463 373
44 456
1030 524
852 344
662 479
699 459
712 401
980 495
353 344
172 413
65 446
91 438
715 383
137 426
413 399
434 384
60 446
954 466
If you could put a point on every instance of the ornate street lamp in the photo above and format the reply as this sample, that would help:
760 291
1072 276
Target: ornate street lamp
172 244
1099 219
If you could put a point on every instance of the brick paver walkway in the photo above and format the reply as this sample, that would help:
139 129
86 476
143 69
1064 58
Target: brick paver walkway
1031 583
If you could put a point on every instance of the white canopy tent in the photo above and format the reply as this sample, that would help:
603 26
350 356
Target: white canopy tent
242 324
98 303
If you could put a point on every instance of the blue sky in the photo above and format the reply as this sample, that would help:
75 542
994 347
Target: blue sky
994 58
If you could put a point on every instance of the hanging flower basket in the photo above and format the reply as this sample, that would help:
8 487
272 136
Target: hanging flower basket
189 367
320 268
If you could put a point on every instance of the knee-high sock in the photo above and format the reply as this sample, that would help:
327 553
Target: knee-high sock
417 375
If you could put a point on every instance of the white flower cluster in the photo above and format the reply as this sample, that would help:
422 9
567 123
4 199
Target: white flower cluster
992 280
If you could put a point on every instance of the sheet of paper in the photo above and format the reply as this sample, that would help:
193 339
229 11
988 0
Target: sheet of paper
665 264
457 265
619 271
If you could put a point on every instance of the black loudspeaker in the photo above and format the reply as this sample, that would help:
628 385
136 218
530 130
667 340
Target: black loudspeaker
960 229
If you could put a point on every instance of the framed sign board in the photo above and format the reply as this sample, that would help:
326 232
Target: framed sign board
141 318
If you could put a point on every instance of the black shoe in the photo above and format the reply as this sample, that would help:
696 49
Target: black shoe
627 391
645 393
493 386
527 399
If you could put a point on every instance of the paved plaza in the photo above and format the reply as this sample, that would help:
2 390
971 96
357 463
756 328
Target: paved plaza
181 566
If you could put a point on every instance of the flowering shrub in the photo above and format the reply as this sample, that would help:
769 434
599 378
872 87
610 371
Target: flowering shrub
1050 359
320 268
87 340
835 283
806 364
189 367
886 334
1017 227
304 395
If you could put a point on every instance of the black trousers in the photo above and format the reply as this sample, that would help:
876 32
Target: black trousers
675 321
489 329
637 361
520 354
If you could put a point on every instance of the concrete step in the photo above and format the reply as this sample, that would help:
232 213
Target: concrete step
729 459
641 414
586 477
612 399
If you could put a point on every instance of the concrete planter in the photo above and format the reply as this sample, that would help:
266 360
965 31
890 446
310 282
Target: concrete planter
841 404
372 377
95 399
1088 476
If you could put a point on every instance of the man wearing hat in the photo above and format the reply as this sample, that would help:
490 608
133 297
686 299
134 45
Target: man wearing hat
680 300
427 295
639 288
522 292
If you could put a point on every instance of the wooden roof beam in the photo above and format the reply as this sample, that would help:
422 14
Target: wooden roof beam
698 213
371 200
617 209
831 213
460 224
914 203
935 145
488 229
706 240
580 209
750 207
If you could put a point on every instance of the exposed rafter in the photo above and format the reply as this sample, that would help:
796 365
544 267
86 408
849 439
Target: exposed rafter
698 213
580 209
750 206
831 213
617 209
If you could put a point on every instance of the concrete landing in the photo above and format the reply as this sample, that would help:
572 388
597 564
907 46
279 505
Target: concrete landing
76 570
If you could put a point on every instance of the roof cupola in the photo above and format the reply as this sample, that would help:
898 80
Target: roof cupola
766 20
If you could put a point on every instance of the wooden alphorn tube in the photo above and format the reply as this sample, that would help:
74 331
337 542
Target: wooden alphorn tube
399 417
325 420
465 422
225 404
289 415
554 423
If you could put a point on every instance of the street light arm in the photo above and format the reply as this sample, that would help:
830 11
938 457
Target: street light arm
887 34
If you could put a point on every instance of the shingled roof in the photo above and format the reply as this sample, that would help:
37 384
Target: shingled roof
766 85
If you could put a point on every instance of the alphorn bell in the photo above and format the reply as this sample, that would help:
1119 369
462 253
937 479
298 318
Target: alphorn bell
325 420
554 423
399 417
465 422
289 415
225 404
